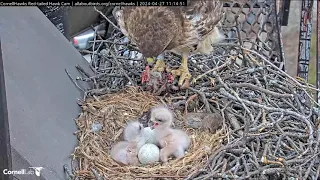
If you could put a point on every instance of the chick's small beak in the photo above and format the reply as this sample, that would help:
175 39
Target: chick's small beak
154 125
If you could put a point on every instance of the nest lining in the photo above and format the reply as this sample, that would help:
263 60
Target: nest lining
113 111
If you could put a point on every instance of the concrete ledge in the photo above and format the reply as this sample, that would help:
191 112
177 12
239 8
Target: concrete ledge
41 99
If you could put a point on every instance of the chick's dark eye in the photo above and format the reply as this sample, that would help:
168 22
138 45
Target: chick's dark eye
159 120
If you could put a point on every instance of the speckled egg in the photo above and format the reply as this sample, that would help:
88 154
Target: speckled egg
148 154
149 135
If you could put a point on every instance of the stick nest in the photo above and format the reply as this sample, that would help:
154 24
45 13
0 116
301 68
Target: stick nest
270 128
113 111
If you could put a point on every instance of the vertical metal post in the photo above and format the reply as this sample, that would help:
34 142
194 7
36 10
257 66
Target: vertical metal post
5 147
305 38
285 12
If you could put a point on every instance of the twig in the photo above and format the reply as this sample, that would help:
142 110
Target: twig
122 70
204 99
272 109
74 82
212 70
287 75
80 69
191 98
252 86
67 172
96 175
104 16
160 176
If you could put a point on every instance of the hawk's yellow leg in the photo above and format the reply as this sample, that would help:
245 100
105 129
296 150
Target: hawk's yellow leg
160 66
183 70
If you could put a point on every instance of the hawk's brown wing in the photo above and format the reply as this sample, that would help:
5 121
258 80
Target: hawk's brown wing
204 15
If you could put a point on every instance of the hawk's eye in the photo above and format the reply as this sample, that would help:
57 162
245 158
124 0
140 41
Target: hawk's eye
159 120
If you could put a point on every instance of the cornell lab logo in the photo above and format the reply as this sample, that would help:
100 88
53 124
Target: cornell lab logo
36 171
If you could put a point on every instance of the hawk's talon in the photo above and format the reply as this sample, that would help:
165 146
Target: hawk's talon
184 74
195 79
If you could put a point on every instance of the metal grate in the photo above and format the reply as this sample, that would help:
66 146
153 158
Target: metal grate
256 24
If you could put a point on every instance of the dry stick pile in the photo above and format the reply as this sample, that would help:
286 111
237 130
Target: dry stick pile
269 117
272 128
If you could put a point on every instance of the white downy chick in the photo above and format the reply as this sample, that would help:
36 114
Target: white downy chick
126 152
134 132
171 141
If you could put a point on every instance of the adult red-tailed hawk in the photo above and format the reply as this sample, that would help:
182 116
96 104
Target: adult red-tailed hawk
182 30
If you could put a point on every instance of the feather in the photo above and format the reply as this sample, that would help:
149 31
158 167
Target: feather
189 28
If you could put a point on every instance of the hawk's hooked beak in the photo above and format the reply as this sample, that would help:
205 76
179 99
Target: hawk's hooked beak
154 125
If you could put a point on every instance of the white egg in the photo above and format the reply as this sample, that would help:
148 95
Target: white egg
148 154
149 135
